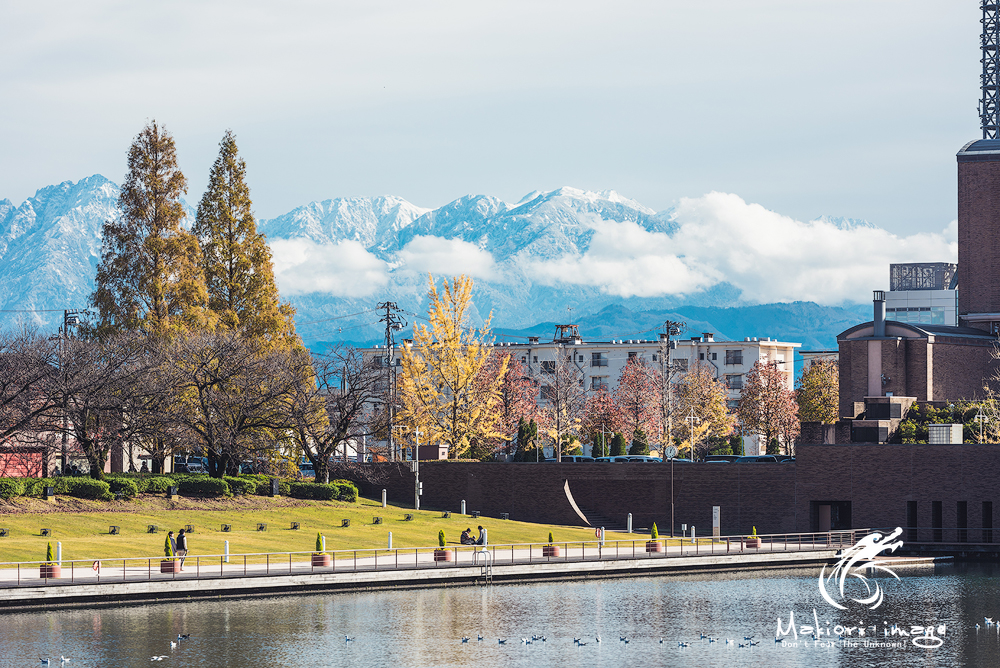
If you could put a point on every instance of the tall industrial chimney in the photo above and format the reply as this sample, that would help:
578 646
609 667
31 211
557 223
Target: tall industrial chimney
879 319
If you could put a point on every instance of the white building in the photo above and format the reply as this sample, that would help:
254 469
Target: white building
602 362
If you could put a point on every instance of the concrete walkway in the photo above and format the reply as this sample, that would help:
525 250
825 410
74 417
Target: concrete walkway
204 577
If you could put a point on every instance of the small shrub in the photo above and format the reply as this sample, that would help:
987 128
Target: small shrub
124 486
159 484
284 488
312 490
654 534
441 540
168 549
319 542
11 487
550 538
35 486
202 484
87 488
49 555
241 485
346 490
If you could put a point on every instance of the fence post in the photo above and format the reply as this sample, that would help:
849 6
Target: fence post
383 498
390 540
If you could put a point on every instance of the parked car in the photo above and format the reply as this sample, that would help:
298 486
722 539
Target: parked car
721 458
643 459
195 467
570 459
757 459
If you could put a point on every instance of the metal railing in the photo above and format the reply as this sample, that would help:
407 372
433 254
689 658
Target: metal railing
950 535
265 564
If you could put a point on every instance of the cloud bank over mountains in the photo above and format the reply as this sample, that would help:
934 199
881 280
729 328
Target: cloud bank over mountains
532 260
618 247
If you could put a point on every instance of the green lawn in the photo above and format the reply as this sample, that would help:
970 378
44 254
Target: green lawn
83 528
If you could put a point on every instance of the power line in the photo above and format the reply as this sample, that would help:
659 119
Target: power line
338 317
41 310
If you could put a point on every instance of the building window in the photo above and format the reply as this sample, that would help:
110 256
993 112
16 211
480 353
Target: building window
599 383
524 360
632 355
654 357
549 366
536 359
598 359
579 358
681 364
734 357
732 404
734 381
548 393
701 356
715 356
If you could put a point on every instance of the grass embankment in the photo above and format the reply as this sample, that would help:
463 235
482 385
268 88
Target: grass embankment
83 527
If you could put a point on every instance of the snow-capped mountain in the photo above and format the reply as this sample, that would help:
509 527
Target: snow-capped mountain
49 249
554 256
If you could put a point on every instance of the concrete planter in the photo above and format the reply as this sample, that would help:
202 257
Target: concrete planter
322 560
170 566
551 551
50 571
444 555
654 546
753 542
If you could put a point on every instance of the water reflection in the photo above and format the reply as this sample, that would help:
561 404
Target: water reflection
423 627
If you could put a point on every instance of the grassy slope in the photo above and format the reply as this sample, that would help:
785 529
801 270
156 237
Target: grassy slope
82 526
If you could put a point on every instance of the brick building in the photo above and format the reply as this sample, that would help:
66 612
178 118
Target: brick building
932 362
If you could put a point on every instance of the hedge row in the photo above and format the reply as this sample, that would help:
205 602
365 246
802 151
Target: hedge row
338 490
130 486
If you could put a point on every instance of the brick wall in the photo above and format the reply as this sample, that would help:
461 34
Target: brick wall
877 480
979 237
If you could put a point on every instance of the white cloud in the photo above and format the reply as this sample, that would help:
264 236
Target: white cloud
770 257
344 269
448 257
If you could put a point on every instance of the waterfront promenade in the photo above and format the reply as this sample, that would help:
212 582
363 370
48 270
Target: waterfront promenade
213 576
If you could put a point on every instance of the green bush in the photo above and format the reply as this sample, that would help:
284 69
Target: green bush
441 540
617 445
10 487
168 549
241 484
159 484
654 534
312 490
36 486
550 538
49 554
346 490
86 488
319 542
202 484
121 485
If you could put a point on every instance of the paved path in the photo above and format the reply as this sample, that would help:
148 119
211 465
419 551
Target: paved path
420 562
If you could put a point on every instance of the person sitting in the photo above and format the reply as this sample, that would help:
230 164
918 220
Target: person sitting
482 536
467 538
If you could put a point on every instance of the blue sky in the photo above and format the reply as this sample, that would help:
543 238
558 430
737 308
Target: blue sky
808 107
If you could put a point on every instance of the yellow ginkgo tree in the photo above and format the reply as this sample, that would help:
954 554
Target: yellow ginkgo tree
443 392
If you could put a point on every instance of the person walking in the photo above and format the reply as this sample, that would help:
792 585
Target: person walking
182 547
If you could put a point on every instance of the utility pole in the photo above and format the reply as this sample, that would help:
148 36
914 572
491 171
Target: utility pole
393 323
670 328
71 318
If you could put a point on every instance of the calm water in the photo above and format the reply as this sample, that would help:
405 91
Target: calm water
424 627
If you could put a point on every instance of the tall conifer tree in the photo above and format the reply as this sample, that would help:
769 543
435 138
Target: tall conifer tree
235 257
149 278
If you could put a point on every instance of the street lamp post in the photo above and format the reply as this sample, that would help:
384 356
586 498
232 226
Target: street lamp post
980 418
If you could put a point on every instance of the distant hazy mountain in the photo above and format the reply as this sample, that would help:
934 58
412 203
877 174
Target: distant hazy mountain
50 246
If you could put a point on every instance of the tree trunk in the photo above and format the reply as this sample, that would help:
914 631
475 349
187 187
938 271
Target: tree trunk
158 461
